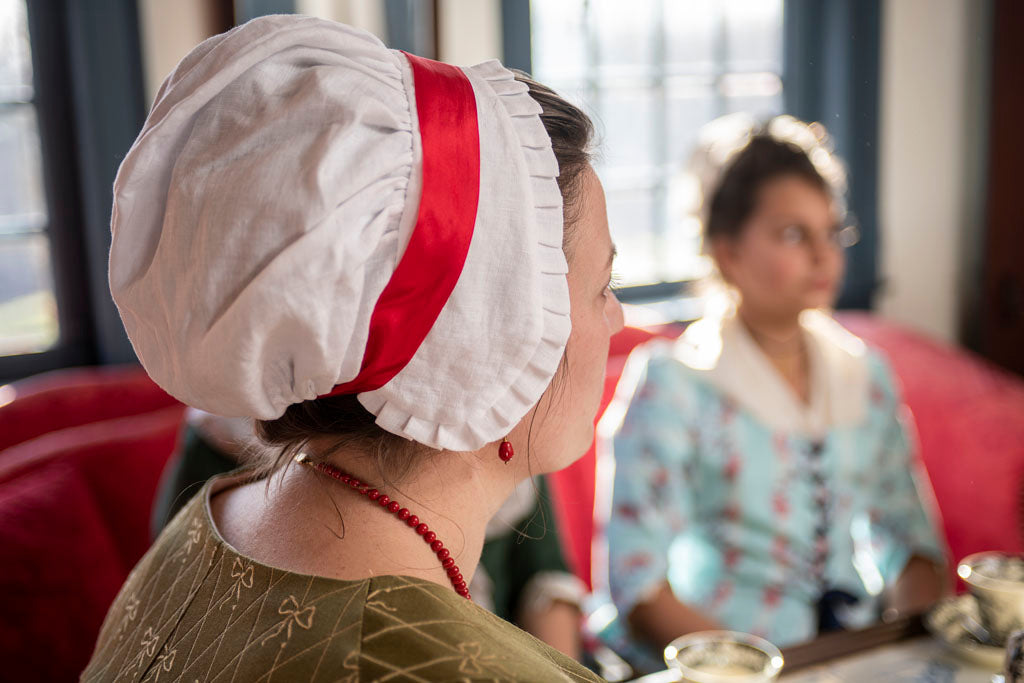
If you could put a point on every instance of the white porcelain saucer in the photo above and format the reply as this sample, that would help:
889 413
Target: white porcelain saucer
955 623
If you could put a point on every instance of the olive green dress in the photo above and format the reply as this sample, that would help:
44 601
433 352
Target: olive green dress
194 609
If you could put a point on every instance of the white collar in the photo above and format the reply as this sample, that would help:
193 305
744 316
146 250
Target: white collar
721 351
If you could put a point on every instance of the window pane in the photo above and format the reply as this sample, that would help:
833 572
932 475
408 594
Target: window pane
680 250
652 73
558 39
15 58
691 104
624 32
28 310
761 107
759 94
689 35
631 220
22 203
627 136
754 35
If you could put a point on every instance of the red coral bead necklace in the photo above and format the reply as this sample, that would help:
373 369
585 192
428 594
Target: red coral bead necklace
393 507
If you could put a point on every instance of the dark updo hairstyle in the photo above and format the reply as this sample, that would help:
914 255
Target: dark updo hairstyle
766 157
344 420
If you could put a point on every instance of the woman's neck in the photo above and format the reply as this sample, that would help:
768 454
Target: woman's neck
777 336
327 528
781 339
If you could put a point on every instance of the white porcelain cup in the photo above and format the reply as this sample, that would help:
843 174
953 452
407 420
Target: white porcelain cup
724 657
996 580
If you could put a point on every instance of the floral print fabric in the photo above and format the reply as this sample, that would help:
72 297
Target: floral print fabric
749 524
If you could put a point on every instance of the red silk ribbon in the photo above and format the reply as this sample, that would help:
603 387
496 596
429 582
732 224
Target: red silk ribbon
437 250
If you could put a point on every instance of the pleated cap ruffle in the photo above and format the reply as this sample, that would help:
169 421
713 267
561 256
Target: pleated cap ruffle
498 342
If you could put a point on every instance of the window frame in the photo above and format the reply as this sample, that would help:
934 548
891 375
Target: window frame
830 73
90 102
52 103
831 67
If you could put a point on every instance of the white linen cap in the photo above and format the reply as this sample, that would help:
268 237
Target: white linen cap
279 181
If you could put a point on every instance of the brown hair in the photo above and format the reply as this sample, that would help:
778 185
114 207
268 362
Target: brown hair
341 420
764 159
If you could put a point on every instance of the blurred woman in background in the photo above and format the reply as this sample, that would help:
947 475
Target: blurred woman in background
765 479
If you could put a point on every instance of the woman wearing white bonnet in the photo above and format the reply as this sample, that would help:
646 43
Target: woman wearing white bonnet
400 270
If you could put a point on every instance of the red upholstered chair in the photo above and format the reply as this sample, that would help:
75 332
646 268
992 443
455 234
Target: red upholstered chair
60 573
75 505
76 396
970 424
120 461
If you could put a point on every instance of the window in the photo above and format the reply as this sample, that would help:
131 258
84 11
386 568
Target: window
28 309
652 72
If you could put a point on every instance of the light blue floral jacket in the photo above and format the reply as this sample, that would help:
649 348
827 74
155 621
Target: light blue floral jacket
752 505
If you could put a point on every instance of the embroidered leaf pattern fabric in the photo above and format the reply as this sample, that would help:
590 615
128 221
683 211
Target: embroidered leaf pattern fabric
194 609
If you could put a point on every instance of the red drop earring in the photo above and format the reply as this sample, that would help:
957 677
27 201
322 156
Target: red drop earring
505 451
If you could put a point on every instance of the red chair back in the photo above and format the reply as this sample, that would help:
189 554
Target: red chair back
76 396
970 425
76 492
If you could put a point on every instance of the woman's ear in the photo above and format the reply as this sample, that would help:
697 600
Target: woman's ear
723 251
